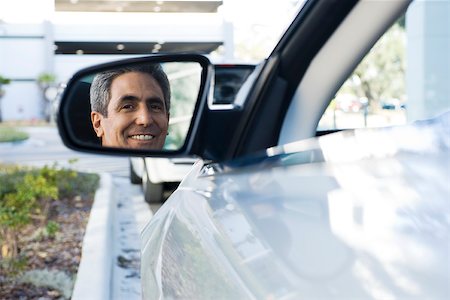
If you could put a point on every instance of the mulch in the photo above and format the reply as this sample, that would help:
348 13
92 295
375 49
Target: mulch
63 252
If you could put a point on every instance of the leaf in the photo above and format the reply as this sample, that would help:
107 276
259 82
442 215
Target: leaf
5 251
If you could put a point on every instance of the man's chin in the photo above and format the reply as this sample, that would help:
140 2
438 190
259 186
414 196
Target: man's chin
144 144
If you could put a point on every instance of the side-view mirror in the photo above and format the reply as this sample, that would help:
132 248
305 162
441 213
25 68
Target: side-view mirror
136 106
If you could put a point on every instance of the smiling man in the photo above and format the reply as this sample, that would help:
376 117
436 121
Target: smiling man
130 107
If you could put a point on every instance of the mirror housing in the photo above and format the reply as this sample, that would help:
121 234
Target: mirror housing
74 115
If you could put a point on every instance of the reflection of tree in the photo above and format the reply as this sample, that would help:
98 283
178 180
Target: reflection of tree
381 74
177 134
184 83
190 270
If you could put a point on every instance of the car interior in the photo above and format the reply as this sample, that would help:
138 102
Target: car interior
81 114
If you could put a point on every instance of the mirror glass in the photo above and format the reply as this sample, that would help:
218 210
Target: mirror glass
145 106
228 79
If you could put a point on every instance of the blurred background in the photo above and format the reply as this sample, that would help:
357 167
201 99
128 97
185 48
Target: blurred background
44 42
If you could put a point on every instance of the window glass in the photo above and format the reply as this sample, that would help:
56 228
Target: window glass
401 79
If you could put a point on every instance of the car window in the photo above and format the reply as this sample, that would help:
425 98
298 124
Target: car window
391 85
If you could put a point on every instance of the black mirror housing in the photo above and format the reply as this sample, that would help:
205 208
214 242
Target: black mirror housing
188 101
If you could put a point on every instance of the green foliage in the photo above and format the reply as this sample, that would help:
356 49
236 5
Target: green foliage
402 22
70 183
4 80
9 134
184 84
59 178
26 194
48 231
13 266
381 74
73 160
46 78
20 200
51 229
77 184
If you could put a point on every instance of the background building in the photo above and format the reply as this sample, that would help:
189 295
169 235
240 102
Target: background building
62 36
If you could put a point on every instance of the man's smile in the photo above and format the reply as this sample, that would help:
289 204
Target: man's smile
142 137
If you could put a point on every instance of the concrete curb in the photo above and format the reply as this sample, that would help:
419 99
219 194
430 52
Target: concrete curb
94 275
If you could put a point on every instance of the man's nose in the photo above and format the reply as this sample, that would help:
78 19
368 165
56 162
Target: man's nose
144 116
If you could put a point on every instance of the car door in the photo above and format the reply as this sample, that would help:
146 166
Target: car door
284 217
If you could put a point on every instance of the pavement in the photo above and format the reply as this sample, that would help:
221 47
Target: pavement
132 214
44 147
111 246
110 263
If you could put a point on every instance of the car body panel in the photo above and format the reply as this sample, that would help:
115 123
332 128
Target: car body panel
336 217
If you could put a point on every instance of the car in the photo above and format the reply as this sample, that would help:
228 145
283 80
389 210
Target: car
392 104
160 175
346 104
274 208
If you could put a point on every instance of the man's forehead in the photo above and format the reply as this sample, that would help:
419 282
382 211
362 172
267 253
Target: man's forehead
131 77
132 81
127 87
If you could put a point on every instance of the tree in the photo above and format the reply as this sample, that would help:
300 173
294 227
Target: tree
46 81
3 81
381 74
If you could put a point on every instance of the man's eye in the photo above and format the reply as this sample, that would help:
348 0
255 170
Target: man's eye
128 106
156 107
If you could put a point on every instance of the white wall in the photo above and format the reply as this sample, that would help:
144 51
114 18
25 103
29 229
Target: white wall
26 49
23 56
22 101
67 65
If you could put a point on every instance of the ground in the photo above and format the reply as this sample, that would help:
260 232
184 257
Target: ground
63 252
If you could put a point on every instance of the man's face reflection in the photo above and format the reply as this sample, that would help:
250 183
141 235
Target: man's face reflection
137 116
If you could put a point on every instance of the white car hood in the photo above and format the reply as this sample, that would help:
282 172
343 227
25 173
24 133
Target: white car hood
361 215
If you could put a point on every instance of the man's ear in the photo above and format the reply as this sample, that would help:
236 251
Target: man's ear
96 119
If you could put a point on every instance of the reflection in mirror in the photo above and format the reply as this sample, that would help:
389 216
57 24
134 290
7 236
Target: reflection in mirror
228 79
146 106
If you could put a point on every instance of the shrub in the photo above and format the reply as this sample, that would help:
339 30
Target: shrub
26 194
9 134
18 202
50 278
51 229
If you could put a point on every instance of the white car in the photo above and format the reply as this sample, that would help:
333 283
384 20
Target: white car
158 175
270 210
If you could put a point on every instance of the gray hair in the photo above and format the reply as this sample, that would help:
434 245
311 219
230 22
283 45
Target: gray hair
101 85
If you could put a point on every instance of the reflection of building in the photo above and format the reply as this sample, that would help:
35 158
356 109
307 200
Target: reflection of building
62 36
